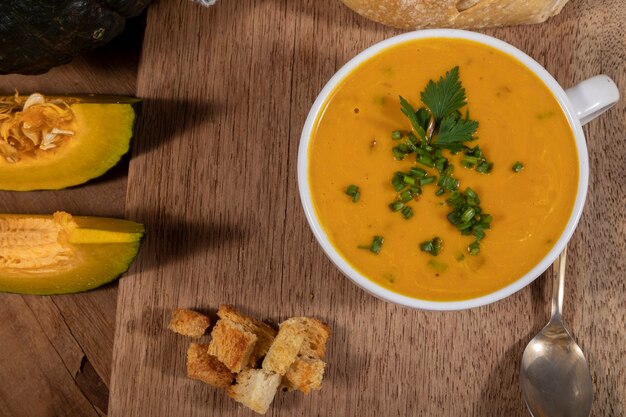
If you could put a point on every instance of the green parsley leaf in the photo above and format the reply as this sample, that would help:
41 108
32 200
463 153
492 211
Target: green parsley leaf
408 111
453 132
445 96
423 117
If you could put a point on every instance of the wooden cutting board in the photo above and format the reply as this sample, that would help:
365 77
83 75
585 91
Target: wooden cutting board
213 176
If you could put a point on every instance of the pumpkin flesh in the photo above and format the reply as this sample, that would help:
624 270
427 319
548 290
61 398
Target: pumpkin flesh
91 142
57 254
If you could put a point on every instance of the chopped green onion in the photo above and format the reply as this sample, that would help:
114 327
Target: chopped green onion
408 180
479 233
441 164
396 134
468 214
427 180
406 195
474 248
417 172
422 151
377 244
470 160
517 167
353 191
432 246
396 206
397 182
485 167
475 158
407 212
464 226
410 145
416 191
448 183
471 194
426 160
404 148
397 153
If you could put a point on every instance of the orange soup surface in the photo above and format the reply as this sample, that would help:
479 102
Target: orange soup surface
519 120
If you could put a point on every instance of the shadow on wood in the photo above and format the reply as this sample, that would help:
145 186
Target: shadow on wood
502 394
170 238
172 118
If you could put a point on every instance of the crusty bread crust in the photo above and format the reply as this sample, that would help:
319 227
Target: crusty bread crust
419 14
188 323
206 368
232 344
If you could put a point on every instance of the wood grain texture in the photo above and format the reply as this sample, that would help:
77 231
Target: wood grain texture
55 352
214 179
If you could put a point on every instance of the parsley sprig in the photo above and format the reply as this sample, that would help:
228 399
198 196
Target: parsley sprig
440 123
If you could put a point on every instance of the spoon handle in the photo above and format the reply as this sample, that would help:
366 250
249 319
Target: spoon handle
558 285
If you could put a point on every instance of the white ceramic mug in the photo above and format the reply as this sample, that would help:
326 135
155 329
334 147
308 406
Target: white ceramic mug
581 104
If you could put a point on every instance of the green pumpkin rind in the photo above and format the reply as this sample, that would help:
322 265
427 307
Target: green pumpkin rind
37 35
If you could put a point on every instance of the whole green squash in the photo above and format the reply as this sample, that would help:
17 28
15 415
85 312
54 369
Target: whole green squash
36 35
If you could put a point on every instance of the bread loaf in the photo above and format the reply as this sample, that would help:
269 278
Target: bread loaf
418 14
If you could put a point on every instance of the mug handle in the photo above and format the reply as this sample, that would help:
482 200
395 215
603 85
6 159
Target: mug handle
593 97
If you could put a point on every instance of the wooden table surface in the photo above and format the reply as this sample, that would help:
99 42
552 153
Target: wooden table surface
212 175
55 352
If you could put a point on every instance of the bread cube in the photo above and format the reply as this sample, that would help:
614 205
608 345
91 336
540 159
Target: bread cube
315 333
305 374
284 351
206 368
255 389
188 323
232 344
264 332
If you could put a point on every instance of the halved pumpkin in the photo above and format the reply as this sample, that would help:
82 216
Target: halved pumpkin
60 253
58 142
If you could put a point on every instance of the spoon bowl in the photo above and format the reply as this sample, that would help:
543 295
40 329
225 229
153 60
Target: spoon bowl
555 376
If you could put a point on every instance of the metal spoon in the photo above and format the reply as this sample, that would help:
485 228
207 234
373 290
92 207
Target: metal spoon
554 375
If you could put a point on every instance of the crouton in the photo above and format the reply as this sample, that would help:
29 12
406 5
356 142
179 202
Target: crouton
255 389
284 350
206 368
305 374
264 332
315 332
232 344
188 323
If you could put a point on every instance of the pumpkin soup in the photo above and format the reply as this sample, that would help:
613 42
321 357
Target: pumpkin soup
442 169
